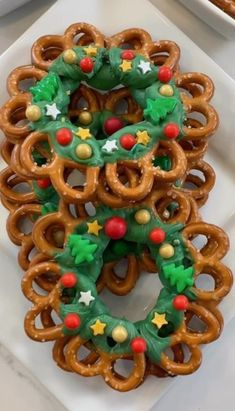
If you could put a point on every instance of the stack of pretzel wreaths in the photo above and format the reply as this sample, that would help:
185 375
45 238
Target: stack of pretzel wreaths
104 144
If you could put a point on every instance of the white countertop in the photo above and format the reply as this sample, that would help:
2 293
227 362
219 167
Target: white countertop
14 378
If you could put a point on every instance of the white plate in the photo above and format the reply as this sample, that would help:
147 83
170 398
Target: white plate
111 16
212 15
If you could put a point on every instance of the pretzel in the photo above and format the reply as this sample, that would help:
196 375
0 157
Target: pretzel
227 6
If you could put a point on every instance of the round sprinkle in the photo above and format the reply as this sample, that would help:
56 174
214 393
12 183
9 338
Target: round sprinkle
85 117
72 321
166 251
166 90
142 216
138 345
33 113
69 56
68 280
84 151
119 334
157 235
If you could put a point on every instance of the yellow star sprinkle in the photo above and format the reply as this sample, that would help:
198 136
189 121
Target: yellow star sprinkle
94 228
142 137
91 50
159 320
83 133
98 328
126 65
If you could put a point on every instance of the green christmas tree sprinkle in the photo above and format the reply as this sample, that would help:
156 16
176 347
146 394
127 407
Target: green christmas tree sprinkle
179 276
158 109
81 249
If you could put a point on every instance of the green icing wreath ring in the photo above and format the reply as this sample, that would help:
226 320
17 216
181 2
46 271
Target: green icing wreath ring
107 138
113 234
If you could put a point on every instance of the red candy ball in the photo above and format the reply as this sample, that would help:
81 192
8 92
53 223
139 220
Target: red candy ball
115 228
72 321
127 141
180 302
165 74
86 64
138 345
64 136
171 131
68 280
157 235
113 124
44 183
128 55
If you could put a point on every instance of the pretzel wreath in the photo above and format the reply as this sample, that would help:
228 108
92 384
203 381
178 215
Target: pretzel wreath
107 236
95 137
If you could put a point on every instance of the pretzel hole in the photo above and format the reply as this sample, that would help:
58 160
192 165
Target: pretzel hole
159 58
199 241
196 115
187 352
190 90
18 118
41 153
73 210
167 208
83 353
26 83
131 44
32 253
55 235
123 367
25 224
121 107
55 317
205 281
196 324
22 188
82 103
169 353
121 268
83 38
90 209
51 52
74 177
38 286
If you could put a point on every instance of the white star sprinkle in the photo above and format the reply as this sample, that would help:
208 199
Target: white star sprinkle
110 146
86 297
144 66
52 110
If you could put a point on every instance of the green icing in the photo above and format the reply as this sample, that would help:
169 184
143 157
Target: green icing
63 79
47 197
176 274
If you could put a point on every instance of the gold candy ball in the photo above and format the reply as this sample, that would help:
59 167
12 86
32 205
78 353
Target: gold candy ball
33 113
166 90
142 216
85 117
69 56
166 251
119 334
84 151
